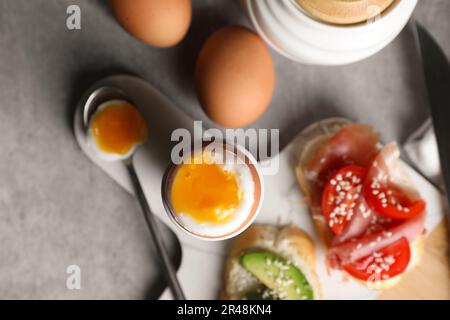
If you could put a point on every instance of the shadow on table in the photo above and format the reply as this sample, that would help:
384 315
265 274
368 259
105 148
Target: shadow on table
413 76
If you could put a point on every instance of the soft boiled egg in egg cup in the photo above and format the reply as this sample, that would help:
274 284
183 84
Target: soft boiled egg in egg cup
215 193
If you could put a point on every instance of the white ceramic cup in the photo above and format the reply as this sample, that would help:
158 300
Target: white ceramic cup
298 36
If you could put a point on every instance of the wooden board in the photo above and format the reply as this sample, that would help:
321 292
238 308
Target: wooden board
430 279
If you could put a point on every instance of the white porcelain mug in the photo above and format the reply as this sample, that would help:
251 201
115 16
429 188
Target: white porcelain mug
297 35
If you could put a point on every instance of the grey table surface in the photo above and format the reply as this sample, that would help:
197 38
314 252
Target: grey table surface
58 209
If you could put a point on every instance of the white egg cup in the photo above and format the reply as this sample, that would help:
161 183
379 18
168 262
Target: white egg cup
293 33
238 152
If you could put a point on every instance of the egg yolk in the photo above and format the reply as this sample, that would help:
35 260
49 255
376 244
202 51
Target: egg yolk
118 127
206 192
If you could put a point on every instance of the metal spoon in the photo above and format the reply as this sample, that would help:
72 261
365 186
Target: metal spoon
96 98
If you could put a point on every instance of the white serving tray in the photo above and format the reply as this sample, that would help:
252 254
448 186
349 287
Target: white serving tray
200 272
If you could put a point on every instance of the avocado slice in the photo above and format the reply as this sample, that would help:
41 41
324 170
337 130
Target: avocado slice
258 295
284 279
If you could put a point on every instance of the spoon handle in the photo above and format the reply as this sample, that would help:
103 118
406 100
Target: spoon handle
169 270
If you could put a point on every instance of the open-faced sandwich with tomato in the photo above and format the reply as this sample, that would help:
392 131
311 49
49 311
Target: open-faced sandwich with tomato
367 212
268 262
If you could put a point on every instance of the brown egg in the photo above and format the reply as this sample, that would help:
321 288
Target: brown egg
235 76
159 23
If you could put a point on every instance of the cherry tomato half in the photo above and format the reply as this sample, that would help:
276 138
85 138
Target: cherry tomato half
390 202
341 196
382 264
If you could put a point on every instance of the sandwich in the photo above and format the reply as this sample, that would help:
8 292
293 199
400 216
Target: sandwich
268 262
366 210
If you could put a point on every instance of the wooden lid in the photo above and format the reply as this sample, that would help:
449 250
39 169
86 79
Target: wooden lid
344 11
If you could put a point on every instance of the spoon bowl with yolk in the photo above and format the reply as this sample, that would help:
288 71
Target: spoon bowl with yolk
116 129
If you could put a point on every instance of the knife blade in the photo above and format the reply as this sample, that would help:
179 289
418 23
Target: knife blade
437 78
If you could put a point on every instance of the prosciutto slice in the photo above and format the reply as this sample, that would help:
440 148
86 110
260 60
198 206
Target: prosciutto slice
385 169
350 251
354 144
360 222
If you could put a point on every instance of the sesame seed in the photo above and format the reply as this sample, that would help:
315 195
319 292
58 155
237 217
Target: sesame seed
384 266
377 254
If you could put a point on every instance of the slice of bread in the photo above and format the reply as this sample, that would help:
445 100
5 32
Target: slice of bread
289 242
307 144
